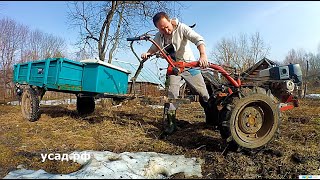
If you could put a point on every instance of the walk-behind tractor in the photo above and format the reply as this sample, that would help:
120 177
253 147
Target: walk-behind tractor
246 114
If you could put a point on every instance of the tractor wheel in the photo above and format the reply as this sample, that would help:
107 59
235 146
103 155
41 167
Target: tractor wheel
30 104
85 105
252 120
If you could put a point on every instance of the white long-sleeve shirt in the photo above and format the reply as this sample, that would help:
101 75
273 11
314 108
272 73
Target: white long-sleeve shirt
181 36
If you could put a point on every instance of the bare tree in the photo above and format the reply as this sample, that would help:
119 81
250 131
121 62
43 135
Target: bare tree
53 46
313 74
82 54
104 25
41 45
241 52
258 48
12 35
224 52
297 57
18 44
309 63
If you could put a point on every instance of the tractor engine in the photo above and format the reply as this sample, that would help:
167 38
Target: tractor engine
291 71
283 81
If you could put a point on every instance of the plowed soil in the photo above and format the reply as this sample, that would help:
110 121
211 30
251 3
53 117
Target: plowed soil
135 126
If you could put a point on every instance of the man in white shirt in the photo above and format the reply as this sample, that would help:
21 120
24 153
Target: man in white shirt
177 34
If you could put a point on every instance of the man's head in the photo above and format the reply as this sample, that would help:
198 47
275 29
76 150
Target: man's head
162 21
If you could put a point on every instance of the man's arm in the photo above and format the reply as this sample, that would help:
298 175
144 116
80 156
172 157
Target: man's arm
152 49
144 56
198 40
203 60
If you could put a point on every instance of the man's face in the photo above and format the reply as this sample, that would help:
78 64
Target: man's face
165 27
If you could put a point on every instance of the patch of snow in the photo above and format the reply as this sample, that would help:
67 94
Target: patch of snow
127 165
156 106
117 105
313 96
58 102
14 103
53 102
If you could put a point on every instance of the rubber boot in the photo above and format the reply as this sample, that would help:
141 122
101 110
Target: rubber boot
171 122
212 114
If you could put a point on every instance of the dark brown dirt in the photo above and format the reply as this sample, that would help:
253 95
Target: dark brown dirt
135 126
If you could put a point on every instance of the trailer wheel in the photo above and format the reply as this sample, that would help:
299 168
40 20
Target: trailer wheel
252 120
85 105
30 104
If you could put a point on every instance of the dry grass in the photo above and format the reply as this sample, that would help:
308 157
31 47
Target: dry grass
134 127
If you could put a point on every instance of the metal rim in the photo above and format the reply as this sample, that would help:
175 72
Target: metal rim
254 121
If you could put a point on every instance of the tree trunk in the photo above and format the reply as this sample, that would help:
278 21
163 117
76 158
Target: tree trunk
116 41
104 32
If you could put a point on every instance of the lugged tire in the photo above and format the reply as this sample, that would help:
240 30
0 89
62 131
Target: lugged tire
251 121
85 105
30 104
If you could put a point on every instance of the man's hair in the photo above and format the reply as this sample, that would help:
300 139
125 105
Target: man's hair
158 16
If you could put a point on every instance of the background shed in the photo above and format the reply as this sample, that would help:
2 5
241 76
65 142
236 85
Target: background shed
148 83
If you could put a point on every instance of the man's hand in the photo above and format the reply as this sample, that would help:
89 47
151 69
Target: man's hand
159 55
145 56
203 60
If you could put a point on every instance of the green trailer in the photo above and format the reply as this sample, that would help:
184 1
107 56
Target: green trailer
86 79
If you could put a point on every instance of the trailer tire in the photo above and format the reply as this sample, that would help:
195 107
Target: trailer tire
85 105
251 121
30 104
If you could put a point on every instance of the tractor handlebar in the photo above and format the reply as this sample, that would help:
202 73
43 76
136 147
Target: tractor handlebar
138 38
134 38
178 67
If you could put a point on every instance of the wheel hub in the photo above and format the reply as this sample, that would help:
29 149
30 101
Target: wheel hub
250 120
